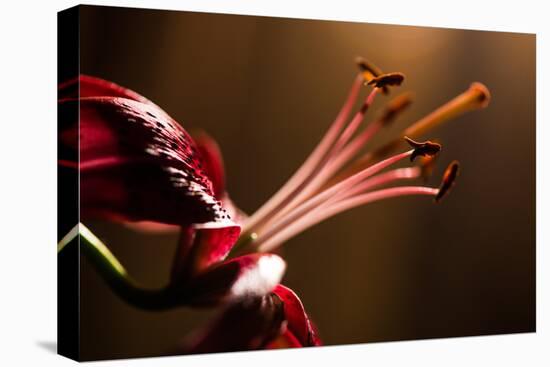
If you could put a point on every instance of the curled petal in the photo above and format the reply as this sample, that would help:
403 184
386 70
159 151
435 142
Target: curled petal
299 324
274 321
201 246
248 325
235 216
236 280
137 164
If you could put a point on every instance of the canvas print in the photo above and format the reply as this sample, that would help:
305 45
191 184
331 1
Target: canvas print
235 183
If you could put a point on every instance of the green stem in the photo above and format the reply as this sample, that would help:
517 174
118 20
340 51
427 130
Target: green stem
112 271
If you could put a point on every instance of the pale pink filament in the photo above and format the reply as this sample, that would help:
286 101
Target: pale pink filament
299 205
347 183
277 201
338 207
313 182
354 124
378 180
331 196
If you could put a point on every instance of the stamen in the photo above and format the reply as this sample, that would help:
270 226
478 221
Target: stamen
342 153
354 124
385 80
388 115
293 185
448 181
314 193
297 208
376 181
326 212
282 220
336 205
477 96
370 71
425 149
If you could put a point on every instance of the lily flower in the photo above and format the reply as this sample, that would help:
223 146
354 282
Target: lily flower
138 164
120 144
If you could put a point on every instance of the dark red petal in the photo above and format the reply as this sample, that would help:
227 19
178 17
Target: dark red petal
201 246
213 161
247 325
137 164
89 86
246 277
298 322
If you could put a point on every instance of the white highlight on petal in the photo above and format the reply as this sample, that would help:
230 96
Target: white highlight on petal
261 278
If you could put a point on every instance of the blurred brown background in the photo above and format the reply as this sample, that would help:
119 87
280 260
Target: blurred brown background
266 89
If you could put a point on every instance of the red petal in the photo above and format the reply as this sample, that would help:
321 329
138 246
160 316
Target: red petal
246 277
201 246
298 322
247 325
136 164
213 161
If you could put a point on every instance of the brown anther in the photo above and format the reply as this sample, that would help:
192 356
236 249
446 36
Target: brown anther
449 178
394 107
370 71
385 80
423 149
368 67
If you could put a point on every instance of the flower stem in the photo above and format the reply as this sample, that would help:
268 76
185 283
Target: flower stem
112 271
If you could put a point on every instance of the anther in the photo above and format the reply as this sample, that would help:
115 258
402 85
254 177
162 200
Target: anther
449 178
423 149
389 79
370 71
